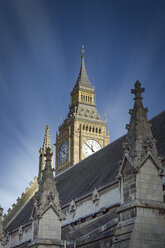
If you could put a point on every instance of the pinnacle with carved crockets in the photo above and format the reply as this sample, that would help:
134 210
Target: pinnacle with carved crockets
47 194
46 142
139 141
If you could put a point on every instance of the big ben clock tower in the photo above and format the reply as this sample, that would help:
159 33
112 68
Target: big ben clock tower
83 132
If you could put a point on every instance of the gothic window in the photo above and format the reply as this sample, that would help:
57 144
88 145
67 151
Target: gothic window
83 127
89 129
93 129
96 129
86 128
99 130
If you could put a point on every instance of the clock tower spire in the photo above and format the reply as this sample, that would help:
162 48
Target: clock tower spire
83 132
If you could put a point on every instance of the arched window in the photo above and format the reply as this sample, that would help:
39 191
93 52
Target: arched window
89 129
99 130
96 129
86 128
83 127
93 129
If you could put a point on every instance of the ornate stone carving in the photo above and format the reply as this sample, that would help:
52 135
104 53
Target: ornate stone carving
141 184
72 206
46 201
95 195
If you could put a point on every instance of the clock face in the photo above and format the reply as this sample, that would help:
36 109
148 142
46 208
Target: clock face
63 152
90 146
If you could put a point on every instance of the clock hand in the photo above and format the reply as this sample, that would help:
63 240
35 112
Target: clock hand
90 147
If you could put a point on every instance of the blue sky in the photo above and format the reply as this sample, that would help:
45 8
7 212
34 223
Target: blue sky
40 43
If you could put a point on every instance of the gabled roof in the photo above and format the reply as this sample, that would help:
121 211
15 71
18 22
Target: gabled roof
97 170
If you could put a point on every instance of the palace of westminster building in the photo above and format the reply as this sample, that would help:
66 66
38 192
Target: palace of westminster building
105 194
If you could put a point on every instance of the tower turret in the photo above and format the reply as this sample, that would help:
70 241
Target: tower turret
141 184
83 132
42 159
47 213
139 137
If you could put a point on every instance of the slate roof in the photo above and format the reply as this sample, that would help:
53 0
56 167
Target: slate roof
23 217
158 131
75 232
95 171
88 112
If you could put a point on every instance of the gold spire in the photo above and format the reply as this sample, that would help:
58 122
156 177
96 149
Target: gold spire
46 142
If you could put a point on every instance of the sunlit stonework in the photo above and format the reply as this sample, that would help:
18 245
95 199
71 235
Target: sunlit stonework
83 129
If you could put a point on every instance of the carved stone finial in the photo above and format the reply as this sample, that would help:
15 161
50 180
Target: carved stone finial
46 142
137 91
48 154
139 137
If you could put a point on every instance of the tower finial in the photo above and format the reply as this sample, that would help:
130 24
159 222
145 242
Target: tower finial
46 142
139 129
82 50
137 91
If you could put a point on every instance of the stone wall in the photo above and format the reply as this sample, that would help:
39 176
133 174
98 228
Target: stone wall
87 206
49 226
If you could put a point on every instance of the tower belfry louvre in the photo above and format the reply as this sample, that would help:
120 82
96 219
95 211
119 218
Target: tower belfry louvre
83 132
